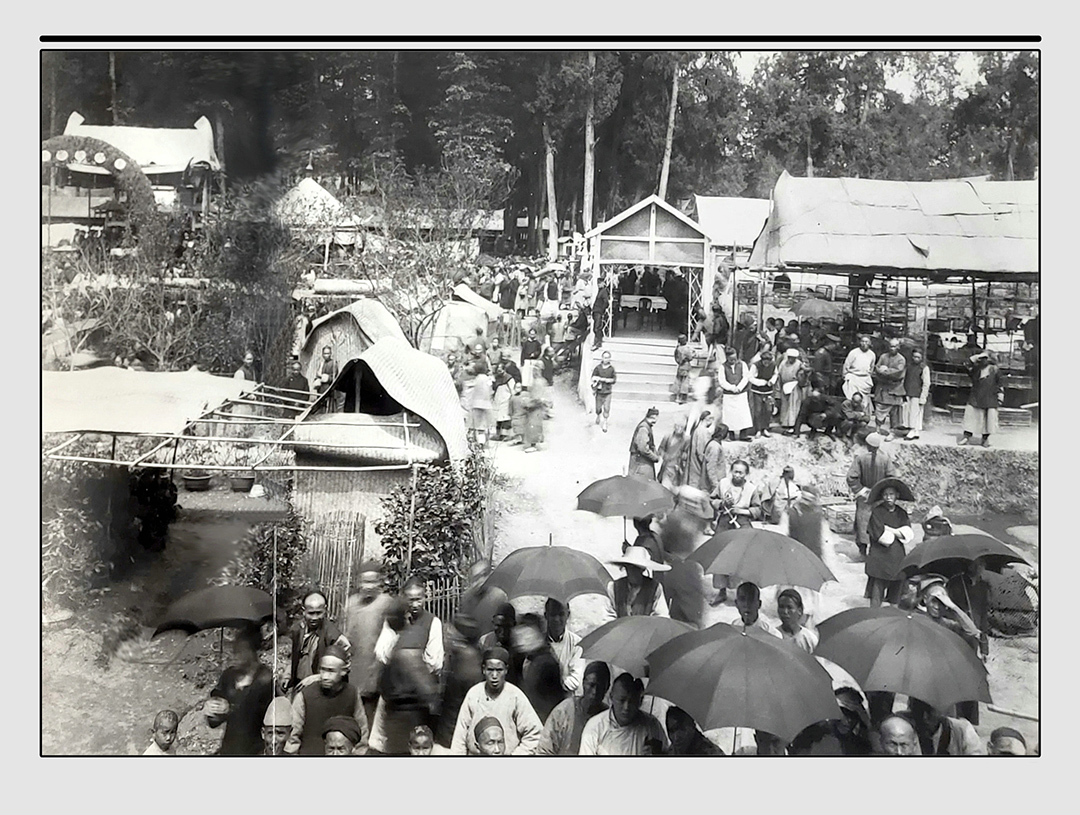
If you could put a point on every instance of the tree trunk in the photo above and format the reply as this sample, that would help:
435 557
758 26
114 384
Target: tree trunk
112 86
552 209
670 132
219 145
52 95
590 143
809 158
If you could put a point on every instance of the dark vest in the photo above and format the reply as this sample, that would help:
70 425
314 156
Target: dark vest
318 707
913 379
643 603
415 635
329 633
765 370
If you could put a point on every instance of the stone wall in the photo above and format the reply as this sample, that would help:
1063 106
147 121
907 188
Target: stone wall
962 480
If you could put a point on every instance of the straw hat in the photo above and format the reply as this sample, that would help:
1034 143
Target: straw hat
639 556
903 491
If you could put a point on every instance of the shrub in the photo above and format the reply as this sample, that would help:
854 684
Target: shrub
254 563
448 525
87 527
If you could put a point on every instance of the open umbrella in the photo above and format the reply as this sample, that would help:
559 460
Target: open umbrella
903 491
951 554
625 495
762 557
889 649
727 677
813 307
550 571
217 607
625 642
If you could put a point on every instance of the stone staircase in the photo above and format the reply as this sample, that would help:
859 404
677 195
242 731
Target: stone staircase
645 369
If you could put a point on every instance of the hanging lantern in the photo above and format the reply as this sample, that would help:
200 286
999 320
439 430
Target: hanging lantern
46 156
119 164
80 156
61 155
99 157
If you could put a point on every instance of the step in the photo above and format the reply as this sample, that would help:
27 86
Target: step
642 388
644 397
646 378
640 343
618 359
646 369
640 350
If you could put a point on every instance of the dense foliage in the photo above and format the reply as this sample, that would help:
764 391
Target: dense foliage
350 113
254 564
445 529
87 527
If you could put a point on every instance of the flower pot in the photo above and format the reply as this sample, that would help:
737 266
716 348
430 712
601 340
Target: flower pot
241 483
196 482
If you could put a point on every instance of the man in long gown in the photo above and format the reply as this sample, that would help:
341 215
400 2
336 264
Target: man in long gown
858 371
643 455
867 468
699 438
791 389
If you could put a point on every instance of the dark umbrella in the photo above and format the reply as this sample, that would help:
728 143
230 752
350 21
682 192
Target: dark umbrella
950 554
217 607
763 557
625 495
727 677
550 571
626 641
903 491
888 649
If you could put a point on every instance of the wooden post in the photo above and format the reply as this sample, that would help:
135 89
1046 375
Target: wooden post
412 518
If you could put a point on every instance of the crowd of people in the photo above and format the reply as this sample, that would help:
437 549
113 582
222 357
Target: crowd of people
393 679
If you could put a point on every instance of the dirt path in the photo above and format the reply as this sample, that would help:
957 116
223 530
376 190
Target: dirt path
542 495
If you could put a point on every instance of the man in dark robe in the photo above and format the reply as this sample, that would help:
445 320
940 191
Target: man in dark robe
643 456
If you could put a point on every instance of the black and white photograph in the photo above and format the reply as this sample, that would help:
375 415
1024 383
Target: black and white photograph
540 398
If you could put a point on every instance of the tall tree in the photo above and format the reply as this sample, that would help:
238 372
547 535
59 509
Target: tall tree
670 137
590 146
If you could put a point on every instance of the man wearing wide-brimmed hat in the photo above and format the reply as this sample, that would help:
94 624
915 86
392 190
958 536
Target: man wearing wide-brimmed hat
637 595
867 469
888 529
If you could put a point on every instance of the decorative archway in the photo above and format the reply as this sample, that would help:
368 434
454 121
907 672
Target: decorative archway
62 151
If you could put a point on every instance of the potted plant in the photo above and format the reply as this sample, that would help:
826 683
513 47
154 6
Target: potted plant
196 480
239 480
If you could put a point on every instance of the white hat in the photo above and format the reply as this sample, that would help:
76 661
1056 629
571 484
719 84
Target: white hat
639 556
792 352
279 713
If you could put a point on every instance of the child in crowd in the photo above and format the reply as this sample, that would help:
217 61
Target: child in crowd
421 741
165 724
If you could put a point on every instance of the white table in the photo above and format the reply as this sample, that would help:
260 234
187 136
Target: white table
633 301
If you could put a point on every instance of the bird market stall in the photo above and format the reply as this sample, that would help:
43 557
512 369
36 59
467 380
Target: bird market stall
910 254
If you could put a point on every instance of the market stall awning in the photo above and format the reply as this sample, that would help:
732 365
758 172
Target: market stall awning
934 229
122 401
731 221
